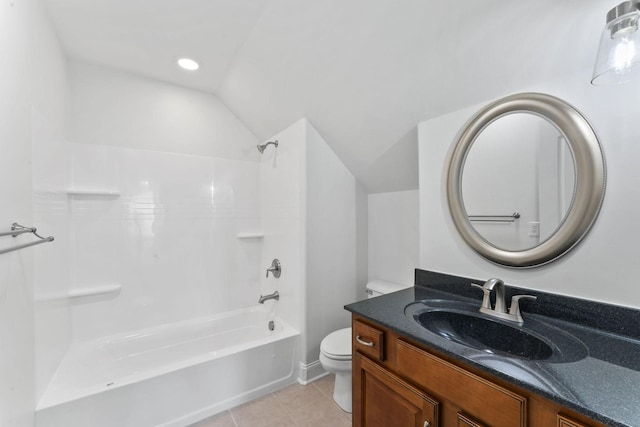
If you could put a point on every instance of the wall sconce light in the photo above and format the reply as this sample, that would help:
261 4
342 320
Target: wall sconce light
618 58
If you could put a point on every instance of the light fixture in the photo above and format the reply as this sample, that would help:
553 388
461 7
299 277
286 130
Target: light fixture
188 64
618 59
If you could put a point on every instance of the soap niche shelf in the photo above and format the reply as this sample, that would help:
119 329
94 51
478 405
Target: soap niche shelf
91 192
256 235
94 290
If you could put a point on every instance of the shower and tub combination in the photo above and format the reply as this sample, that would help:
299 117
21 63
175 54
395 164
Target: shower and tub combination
171 375
181 335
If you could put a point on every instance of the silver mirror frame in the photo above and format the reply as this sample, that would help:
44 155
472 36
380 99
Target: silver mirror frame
590 180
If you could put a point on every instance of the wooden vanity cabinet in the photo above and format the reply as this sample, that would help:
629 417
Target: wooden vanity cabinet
397 382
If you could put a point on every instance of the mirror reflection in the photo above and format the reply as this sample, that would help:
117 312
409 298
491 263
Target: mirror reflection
518 181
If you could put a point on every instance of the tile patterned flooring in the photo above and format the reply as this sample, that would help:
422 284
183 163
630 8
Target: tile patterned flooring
294 406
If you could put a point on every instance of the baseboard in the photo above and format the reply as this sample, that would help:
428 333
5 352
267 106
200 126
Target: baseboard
310 372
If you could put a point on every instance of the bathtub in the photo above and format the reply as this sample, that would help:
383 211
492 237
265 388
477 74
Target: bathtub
170 375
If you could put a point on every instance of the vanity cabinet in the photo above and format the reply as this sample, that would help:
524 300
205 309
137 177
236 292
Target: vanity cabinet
397 382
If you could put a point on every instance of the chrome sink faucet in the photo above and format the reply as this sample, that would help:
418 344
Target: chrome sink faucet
500 308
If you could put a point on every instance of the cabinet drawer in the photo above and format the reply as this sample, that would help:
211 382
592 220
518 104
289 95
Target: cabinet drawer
368 340
564 421
464 421
485 401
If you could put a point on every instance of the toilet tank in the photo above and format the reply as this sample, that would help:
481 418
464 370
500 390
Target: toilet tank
381 287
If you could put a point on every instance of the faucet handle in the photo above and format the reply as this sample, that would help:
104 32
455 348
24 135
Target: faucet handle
486 299
275 268
514 310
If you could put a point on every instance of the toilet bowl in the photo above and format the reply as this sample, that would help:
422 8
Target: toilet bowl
335 357
335 349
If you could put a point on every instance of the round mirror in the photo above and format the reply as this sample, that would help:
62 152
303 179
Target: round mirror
518 181
526 180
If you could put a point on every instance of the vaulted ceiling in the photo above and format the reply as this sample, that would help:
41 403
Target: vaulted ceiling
364 72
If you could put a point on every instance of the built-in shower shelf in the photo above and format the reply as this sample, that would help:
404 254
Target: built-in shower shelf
94 290
250 235
93 192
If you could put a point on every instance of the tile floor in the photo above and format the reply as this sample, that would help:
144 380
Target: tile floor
294 406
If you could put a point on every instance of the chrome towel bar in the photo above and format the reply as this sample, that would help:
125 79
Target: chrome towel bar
495 218
16 230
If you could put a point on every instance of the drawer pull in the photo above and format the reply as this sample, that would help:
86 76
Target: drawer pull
427 423
361 341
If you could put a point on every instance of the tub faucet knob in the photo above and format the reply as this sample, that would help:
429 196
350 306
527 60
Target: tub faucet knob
275 268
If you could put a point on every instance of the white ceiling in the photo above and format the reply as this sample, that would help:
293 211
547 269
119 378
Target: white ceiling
364 72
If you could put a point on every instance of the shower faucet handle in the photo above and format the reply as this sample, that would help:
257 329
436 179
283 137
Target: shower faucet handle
275 268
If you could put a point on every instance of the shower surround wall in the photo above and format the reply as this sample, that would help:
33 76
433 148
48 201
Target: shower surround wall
309 206
164 179
168 238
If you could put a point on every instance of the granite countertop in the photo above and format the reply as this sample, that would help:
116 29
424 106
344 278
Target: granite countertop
600 378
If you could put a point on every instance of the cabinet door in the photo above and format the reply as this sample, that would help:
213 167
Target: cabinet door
380 399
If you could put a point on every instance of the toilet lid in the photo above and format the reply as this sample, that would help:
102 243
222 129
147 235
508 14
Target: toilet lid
337 344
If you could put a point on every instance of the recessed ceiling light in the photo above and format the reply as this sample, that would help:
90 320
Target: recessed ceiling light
188 64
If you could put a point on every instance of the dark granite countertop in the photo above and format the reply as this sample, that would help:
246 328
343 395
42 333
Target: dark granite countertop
600 378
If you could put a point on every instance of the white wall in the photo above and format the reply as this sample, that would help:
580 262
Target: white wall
185 175
362 241
331 246
16 309
33 113
393 236
110 107
604 266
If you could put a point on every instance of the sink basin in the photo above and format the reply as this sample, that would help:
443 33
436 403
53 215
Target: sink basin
485 334
462 323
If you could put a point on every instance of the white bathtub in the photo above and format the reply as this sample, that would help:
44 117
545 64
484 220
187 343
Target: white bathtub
171 375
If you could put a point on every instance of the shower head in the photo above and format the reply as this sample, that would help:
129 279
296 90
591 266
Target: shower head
262 147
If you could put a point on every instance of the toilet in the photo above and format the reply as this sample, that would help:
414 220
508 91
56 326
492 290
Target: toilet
335 349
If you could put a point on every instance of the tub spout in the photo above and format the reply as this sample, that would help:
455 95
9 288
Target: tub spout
275 296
